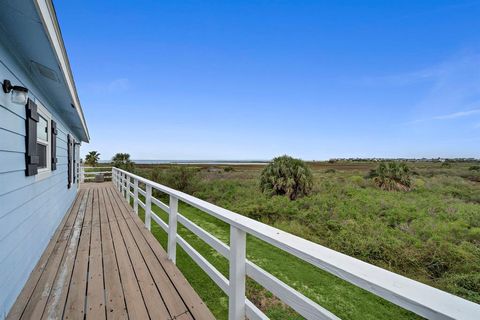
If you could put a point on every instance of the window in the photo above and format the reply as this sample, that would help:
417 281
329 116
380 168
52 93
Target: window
43 142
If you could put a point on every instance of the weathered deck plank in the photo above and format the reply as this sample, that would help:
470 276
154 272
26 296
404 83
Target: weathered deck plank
38 302
133 297
195 305
173 301
103 263
95 292
152 298
114 297
58 294
76 293
28 290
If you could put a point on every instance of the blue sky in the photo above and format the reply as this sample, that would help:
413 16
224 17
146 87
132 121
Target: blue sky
258 79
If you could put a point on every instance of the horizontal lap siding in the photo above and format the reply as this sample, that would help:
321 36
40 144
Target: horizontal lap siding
30 209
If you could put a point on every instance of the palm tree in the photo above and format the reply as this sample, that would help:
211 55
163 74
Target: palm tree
392 176
92 158
286 176
122 161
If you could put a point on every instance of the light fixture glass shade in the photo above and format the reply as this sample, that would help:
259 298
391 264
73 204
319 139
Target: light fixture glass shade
19 96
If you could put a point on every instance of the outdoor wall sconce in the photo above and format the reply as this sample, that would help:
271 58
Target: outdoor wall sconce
19 95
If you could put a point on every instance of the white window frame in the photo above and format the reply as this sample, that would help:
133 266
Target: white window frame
45 172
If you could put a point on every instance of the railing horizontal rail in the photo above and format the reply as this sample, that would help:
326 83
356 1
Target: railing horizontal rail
252 312
303 305
409 294
97 172
89 172
216 244
213 273
160 204
160 222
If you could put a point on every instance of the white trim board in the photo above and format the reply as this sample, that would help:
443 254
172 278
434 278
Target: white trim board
48 16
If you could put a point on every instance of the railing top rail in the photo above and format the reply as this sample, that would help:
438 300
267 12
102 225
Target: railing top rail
409 294
99 167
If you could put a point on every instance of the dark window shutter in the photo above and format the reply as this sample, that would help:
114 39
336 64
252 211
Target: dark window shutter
69 155
74 167
31 156
54 145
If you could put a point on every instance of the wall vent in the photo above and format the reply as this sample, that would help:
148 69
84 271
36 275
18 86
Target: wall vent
44 71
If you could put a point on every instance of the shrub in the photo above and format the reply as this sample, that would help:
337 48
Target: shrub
392 176
419 183
286 176
181 178
359 181
331 170
228 169
474 168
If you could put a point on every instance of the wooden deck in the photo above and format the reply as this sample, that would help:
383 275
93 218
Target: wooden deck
102 263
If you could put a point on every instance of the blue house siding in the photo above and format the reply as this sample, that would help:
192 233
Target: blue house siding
30 209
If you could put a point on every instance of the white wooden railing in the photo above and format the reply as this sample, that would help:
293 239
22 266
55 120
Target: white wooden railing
412 295
90 173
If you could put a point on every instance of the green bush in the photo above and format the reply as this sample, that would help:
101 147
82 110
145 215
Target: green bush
419 183
474 168
392 176
180 177
359 181
286 176
228 169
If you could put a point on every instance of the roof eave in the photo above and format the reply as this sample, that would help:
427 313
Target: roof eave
47 13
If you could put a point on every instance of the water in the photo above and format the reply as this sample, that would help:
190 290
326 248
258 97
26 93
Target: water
209 162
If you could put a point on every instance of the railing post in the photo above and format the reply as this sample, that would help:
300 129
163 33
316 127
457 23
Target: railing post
135 195
148 207
123 184
82 174
120 188
172 229
127 184
236 297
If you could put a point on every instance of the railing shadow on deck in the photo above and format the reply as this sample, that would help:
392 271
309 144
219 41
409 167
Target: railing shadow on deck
414 296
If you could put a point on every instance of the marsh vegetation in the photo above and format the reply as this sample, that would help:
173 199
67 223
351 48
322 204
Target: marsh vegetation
421 221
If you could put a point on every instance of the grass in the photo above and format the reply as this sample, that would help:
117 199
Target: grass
431 234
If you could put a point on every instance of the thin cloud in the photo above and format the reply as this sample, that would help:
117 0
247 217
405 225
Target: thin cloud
454 115
453 88
463 66
413 122
457 114
432 73
114 86
120 84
